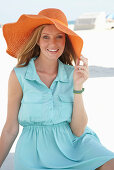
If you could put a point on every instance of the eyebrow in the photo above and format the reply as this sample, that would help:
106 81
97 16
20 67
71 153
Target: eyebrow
50 34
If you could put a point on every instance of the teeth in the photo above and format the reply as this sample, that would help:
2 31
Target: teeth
52 50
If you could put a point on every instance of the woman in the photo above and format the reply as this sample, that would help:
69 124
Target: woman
45 97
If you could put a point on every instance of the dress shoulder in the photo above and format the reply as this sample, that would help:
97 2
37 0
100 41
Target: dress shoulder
20 73
69 70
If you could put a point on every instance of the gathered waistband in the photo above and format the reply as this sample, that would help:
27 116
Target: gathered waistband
38 124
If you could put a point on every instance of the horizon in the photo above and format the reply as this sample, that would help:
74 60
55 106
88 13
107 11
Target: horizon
14 9
69 21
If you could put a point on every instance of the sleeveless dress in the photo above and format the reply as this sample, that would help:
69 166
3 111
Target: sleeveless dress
47 141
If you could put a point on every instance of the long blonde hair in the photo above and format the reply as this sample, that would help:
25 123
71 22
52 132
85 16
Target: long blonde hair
31 49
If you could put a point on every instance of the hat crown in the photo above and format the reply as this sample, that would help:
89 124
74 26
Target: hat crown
54 14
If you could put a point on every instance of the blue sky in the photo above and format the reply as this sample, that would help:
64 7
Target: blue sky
10 10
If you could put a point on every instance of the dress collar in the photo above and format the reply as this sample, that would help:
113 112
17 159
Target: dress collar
31 73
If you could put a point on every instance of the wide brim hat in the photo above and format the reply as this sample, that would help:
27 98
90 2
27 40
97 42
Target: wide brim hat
18 32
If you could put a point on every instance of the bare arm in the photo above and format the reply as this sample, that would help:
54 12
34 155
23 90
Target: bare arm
79 116
11 127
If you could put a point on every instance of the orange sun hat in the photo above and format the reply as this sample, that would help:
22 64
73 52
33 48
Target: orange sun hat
18 32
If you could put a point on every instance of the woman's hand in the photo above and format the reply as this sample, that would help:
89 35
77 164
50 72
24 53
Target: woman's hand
81 73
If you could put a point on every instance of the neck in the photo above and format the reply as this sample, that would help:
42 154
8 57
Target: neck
46 66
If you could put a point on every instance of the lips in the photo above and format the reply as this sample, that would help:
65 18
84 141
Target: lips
53 50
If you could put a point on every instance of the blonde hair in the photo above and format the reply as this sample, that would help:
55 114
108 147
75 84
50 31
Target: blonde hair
31 49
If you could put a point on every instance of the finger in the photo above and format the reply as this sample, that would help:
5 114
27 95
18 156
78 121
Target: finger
85 60
80 67
83 71
85 74
86 71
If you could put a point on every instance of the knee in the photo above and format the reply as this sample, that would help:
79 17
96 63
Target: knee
108 165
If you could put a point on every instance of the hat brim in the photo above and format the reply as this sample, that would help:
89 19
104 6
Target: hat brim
16 33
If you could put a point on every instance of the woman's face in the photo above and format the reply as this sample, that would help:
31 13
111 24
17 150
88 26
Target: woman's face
52 42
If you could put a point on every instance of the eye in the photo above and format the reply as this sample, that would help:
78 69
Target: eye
60 36
45 37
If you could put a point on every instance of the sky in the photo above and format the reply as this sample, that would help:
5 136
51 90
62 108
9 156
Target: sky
10 10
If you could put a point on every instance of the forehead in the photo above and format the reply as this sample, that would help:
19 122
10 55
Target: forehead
51 29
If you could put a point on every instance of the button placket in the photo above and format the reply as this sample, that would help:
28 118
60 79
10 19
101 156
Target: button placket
51 101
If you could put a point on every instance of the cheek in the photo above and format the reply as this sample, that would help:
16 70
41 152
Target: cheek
42 45
62 44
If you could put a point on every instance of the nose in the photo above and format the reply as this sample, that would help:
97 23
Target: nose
53 41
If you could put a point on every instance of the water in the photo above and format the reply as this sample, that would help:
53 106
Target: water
71 22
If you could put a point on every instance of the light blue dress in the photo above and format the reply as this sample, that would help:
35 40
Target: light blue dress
47 141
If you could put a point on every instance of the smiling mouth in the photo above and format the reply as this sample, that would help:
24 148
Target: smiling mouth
53 51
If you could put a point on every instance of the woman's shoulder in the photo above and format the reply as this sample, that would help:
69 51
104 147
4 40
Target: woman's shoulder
68 67
21 70
20 73
69 70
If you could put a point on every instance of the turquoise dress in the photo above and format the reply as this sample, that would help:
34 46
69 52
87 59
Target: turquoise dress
47 141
